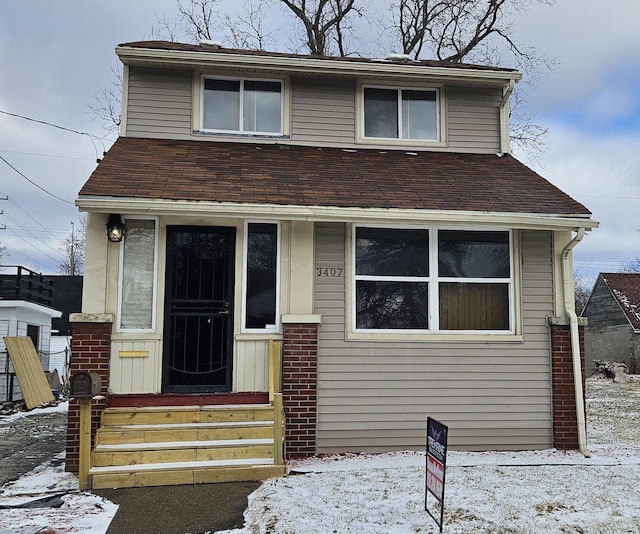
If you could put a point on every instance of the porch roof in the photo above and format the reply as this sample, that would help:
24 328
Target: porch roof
300 176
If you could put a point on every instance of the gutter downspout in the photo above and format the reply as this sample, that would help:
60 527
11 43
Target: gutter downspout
569 308
505 140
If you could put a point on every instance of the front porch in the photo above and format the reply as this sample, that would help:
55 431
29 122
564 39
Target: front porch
167 439
160 446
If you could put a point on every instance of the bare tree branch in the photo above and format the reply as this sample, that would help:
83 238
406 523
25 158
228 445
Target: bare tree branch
248 30
324 22
106 105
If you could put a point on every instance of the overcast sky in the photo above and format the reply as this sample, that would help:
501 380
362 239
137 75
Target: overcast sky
54 56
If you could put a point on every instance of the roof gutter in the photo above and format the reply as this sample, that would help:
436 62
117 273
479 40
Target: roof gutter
570 311
317 66
100 204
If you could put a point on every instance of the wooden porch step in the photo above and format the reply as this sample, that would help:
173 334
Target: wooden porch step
180 451
170 474
184 445
186 414
237 430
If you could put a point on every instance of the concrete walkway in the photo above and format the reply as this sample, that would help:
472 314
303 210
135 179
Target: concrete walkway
179 509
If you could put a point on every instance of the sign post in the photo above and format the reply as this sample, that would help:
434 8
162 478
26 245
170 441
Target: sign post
436 465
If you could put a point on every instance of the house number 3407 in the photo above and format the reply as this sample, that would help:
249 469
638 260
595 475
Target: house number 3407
330 271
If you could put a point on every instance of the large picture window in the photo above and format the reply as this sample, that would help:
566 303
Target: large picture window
391 113
242 106
261 272
432 280
138 275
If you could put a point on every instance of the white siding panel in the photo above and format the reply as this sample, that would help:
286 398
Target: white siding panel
159 104
376 395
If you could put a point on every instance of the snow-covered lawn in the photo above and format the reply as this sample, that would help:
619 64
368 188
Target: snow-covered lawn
511 492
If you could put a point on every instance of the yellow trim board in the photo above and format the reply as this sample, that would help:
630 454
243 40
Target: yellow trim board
133 354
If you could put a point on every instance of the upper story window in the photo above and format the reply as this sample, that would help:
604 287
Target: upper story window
433 280
396 113
242 106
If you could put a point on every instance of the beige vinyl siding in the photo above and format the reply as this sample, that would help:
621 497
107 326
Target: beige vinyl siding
473 119
323 111
159 104
375 396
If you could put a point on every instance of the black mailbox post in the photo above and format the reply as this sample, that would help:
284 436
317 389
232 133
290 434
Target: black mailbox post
85 385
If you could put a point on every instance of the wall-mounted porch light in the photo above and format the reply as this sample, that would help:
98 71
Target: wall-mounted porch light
115 228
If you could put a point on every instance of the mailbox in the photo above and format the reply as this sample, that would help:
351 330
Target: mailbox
85 385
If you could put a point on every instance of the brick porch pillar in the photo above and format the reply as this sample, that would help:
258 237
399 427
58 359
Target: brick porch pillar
565 420
91 352
299 384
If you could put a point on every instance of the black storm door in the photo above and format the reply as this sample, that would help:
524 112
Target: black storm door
198 330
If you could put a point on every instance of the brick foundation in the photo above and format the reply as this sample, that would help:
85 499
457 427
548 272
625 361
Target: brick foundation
565 422
90 351
299 388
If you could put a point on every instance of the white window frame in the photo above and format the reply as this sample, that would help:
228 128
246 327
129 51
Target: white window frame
242 81
433 281
154 299
245 255
438 141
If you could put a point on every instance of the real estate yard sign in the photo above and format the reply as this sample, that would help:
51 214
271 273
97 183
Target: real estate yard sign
436 464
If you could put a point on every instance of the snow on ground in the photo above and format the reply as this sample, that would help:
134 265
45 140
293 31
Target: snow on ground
533 492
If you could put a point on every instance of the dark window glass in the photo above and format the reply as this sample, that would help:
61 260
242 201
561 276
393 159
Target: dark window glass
262 251
391 305
381 113
474 306
392 252
467 254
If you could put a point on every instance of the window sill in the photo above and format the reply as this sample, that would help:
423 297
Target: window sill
412 337
240 135
400 143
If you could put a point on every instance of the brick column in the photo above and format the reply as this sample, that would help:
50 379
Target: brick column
299 387
91 352
565 421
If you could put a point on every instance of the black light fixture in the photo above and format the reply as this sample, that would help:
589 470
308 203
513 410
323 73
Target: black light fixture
115 228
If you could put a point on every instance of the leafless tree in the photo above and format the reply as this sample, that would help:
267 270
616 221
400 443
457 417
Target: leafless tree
633 266
325 23
480 32
72 248
106 105
582 285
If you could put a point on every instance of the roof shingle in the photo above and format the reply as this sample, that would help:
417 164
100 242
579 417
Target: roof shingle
625 288
328 177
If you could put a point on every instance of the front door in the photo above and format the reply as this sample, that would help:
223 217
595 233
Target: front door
198 328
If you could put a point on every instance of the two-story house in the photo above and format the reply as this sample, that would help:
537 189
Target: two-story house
364 215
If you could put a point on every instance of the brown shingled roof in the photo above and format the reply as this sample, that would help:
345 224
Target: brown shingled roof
328 177
625 288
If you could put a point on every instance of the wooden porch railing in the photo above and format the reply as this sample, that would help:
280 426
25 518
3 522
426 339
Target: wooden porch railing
275 398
